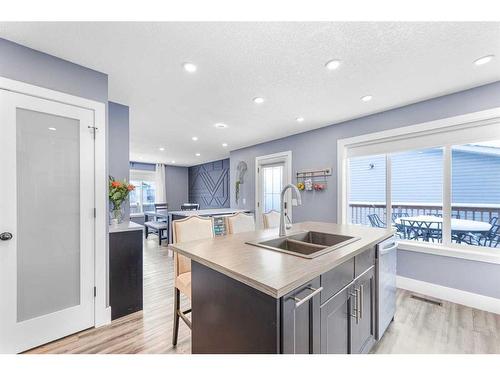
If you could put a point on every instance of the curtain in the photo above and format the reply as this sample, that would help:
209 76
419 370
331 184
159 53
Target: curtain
161 193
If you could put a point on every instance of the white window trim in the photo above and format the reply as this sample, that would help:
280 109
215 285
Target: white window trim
488 119
102 312
279 157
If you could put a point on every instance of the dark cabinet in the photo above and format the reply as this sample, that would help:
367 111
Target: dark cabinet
125 272
362 319
300 326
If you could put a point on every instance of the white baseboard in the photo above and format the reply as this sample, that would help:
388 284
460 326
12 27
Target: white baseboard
461 297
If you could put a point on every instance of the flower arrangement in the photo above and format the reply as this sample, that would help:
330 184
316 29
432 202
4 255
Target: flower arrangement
118 193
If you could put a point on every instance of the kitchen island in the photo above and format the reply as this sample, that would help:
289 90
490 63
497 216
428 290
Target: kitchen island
248 299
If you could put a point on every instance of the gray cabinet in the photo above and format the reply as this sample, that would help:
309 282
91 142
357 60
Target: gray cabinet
335 323
300 325
362 320
348 318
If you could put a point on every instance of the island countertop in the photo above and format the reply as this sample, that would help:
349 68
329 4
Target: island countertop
273 272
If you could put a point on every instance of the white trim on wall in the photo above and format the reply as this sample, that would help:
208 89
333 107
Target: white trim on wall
102 312
461 297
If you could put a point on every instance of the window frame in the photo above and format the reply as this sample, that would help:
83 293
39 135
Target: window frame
473 127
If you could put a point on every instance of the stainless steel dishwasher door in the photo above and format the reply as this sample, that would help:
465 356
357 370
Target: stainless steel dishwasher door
386 273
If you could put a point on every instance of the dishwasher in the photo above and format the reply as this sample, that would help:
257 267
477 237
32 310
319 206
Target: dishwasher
386 275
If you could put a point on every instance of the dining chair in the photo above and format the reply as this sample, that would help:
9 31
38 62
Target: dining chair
271 219
376 221
190 206
188 229
161 206
240 222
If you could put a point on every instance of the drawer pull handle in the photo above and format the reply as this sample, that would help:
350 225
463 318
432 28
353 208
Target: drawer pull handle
361 293
315 291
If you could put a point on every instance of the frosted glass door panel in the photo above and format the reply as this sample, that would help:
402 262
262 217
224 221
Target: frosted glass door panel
48 213
273 183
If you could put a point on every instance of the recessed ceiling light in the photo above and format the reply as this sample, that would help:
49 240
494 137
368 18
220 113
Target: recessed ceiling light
189 67
141 158
220 125
194 138
367 98
300 119
332 64
224 145
162 148
258 100
197 154
484 60
173 161
53 129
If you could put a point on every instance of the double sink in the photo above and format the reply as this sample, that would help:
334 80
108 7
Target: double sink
308 244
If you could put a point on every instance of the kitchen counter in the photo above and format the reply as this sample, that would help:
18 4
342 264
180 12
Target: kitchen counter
272 272
126 226
207 212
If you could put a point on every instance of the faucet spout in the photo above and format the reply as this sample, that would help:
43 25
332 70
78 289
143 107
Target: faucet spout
282 206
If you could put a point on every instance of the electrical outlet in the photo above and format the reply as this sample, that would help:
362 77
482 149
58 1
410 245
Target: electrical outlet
244 201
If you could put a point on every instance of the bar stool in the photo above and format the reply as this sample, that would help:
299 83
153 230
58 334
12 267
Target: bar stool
271 219
240 222
188 229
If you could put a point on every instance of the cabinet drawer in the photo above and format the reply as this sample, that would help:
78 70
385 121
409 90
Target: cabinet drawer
336 279
364 261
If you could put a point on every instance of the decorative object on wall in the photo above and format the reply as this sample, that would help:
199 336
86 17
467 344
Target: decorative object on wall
118 193
241 170
209 184
315 179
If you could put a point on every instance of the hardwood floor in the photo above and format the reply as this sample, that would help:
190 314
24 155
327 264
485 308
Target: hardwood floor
419 327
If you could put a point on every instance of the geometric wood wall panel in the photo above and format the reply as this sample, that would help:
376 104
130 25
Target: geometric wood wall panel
209 184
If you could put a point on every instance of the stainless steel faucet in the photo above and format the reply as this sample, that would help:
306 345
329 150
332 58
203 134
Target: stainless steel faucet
282 206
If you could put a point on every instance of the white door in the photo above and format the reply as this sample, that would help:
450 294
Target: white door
272 175
46 221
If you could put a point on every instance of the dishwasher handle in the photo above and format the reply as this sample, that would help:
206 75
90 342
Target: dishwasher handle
388 249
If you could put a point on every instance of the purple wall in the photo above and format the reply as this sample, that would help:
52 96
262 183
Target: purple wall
318 149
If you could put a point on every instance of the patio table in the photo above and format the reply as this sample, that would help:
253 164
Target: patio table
459 227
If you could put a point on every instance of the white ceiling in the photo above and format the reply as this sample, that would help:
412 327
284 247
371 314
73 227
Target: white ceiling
397 63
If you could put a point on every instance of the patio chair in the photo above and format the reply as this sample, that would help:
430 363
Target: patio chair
400 229
490 239
376 221
493 220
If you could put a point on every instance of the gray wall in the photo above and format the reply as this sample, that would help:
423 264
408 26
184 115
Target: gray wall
118 144
176 186
318 149
37 68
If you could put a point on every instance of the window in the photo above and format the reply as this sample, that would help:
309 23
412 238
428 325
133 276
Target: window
440 183
143 197
475 194
367 190
273 181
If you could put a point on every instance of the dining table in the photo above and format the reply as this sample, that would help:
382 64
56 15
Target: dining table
459 227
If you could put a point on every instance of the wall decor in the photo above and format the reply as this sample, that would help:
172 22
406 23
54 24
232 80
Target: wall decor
314 179
241 170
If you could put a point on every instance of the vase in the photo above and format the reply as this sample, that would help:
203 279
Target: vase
117 217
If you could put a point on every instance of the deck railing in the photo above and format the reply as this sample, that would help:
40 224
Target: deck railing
359 211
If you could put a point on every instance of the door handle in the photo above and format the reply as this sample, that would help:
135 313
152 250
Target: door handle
356 305
315 291
361 292
5 236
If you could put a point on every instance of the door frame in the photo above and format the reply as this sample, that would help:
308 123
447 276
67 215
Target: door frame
279 157
102 310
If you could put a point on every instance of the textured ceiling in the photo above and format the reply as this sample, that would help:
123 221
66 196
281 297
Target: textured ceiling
396 63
